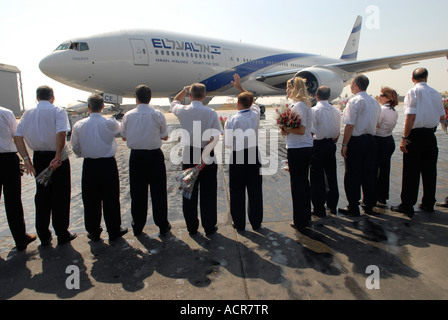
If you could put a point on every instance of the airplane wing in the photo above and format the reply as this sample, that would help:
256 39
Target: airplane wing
361 66
395 62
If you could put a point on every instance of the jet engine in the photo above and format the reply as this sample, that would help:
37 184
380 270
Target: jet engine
316 77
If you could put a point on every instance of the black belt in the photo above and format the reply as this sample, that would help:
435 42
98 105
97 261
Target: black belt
424 130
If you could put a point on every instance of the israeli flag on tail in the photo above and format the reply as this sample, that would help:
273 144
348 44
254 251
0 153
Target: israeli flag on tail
350 52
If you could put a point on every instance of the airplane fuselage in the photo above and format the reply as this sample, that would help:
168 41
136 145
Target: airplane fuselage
118 62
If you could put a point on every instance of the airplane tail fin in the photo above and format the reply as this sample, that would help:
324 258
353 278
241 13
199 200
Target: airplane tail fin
350 52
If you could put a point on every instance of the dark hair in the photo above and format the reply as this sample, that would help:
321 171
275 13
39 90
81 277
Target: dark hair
143 93
44 93
391 95
95 102
246 99
197 91
323 93
362 82
420 74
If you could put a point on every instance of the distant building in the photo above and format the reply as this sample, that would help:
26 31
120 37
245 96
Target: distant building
11 94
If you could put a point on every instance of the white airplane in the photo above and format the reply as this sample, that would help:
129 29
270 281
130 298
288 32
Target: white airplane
115 63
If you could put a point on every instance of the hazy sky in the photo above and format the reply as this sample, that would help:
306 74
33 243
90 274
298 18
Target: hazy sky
29 30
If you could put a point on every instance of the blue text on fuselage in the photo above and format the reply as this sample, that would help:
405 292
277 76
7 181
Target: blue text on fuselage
185 46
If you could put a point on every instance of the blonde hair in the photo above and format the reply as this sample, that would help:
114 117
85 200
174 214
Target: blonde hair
299 90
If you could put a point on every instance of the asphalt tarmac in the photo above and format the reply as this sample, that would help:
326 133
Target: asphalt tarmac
385 256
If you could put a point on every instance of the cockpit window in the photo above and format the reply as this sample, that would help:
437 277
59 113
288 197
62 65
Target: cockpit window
78 46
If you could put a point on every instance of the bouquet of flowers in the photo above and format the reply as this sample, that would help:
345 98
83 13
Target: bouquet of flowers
44 177
287 118
445 106
285 165
343 104
223 120
188 178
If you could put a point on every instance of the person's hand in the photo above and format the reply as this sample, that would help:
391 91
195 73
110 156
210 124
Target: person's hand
344 151
29 168
403 145
237 82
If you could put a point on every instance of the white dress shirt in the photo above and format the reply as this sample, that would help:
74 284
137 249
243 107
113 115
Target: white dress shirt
363 112
8 125
241 130
306 140
387 121
39 126
195 119
94 137
426 103
326 121
143 128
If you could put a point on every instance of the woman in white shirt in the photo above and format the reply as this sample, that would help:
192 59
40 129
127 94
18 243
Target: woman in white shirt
385 143
299 144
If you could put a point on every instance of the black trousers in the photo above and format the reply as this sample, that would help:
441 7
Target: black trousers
11 183
101 194
360 171
206 186
52 201
385 150
323 176
244 174
421 159
299 164
147 168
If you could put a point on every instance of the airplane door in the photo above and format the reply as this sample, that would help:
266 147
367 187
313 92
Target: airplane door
229 58
140 52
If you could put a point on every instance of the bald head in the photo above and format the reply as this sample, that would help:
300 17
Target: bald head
420 75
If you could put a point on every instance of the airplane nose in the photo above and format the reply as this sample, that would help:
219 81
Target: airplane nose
46 66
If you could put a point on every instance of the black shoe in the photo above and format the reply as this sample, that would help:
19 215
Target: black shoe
426 208
27 240
257 227
319 214
66 239
93 238
301 229
46 242
400 208
442 204
238 228
118 235
368 210
164 231
211 232
349 212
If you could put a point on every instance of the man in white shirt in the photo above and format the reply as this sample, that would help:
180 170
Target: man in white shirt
424 110
44 129
326 130
143 129
93 139
359 147
10 180
241 135
200 127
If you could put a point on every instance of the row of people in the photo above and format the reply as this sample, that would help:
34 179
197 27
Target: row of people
44 130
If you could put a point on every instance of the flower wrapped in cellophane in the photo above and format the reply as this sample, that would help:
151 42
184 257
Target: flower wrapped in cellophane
223 120
44 177
287 118
285 165
188 178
